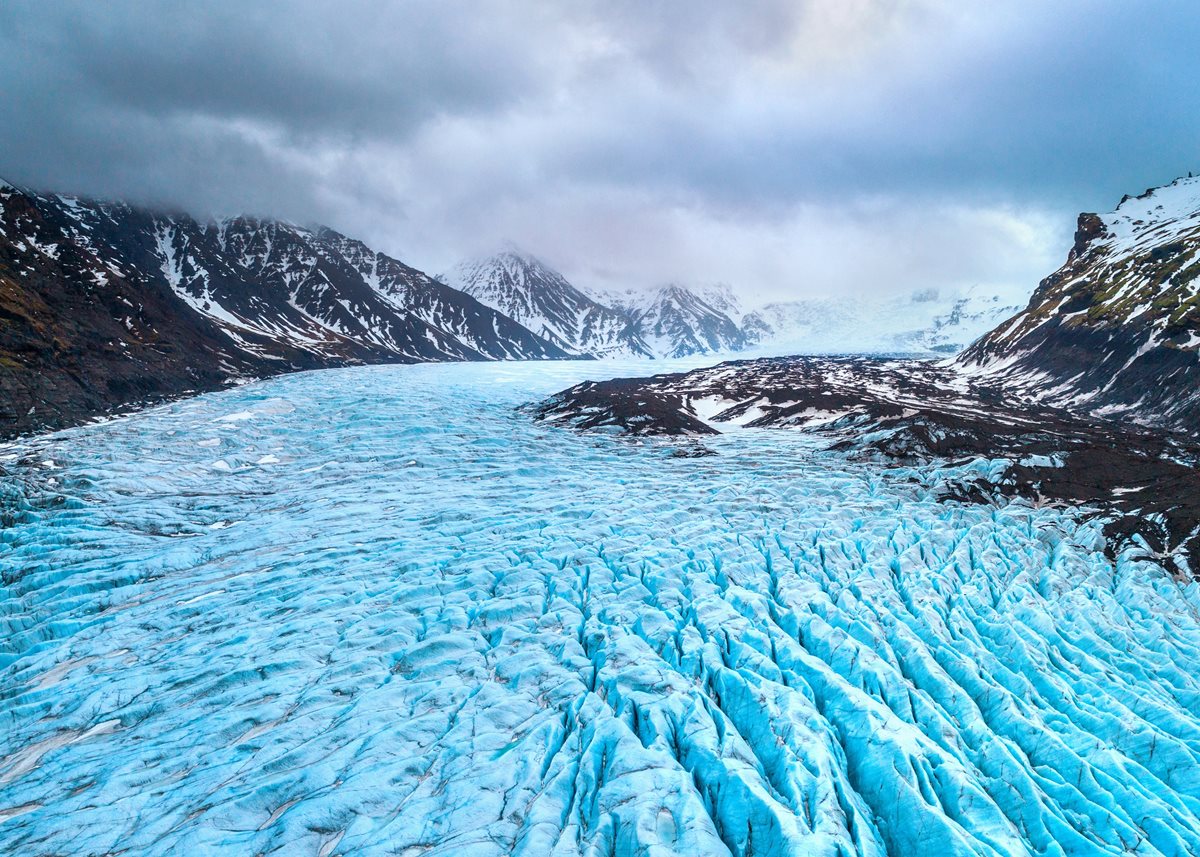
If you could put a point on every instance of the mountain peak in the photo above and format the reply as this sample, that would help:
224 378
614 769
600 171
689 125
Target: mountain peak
1120 318
525 288
677 322
674 292
1168 193
512 249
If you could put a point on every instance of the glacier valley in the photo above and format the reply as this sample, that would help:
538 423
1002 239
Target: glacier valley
381 611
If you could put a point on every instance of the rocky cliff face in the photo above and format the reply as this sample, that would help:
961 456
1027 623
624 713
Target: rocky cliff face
106 305
1115 331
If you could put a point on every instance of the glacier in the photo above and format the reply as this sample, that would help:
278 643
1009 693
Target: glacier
380 610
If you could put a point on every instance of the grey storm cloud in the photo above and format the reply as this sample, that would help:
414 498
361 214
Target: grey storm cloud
787 147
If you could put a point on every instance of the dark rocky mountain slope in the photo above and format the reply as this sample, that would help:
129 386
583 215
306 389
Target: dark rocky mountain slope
1115 331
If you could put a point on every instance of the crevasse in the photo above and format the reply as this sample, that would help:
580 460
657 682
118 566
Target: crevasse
380 611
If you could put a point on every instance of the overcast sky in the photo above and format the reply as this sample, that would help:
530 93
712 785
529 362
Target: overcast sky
789 148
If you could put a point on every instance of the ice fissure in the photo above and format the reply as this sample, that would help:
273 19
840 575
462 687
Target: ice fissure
382 611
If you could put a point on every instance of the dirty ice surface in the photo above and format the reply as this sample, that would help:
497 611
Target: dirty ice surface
380 611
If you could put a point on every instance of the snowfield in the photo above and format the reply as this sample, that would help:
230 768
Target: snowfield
381 611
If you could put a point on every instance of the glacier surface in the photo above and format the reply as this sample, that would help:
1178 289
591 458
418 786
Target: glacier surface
380 611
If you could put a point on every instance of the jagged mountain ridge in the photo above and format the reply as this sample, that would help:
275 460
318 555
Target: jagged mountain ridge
678 322
683 323
670 321
106 304
1114 331
526 289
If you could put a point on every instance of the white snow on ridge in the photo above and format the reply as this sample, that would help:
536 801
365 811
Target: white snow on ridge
527 290
1112 331
1153 217
446 630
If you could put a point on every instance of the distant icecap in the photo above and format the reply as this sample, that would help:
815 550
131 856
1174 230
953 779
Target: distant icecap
379 611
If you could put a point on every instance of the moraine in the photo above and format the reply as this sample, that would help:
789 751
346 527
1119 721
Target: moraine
382 611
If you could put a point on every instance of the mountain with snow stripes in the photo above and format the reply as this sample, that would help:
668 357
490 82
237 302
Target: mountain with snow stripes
678 322
1116 330
526 289
108 304
671 321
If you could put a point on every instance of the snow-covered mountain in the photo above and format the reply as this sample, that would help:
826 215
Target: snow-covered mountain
269 284
526 289
1117 328
671 321
678 322
926 321
108 303
115 304
722 298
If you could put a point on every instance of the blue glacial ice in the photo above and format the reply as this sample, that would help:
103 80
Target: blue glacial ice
380 611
